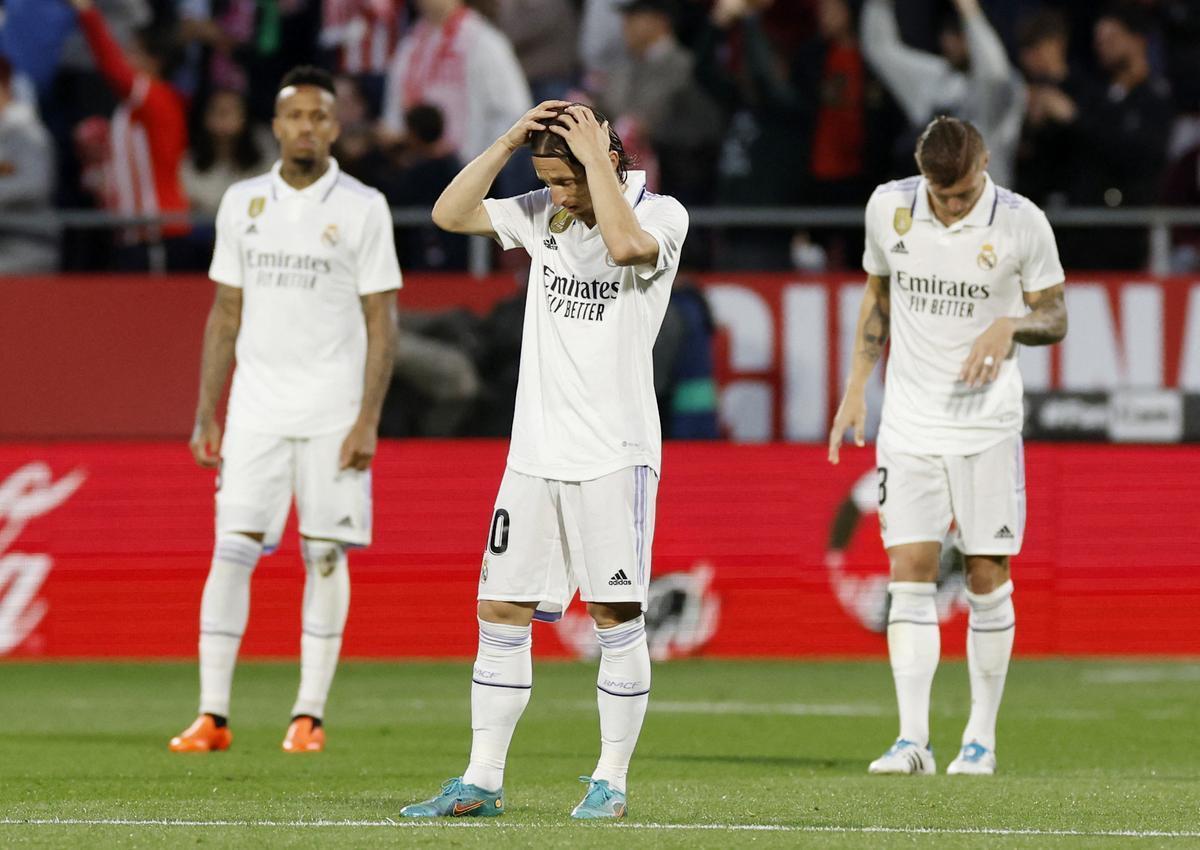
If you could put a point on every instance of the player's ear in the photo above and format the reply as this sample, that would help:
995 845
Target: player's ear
276 130
615 159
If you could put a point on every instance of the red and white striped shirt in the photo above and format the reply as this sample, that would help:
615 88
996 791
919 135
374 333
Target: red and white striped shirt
148 133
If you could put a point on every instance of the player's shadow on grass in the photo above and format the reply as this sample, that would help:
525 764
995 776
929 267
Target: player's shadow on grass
762 761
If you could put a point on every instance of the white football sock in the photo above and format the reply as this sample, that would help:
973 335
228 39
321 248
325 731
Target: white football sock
326 605
224 609
914 645
991 628
500 686
622 693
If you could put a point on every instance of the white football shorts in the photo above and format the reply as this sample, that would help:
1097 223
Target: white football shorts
982 494
260 473
549 538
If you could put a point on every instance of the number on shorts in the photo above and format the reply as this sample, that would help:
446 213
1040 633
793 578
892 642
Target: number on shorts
498 537
882 484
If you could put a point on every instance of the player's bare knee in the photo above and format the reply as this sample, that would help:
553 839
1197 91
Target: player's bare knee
609 614
917 562
506 613
985 573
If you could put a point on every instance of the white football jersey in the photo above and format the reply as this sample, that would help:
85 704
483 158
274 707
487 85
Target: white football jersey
948 284
585 397
302 258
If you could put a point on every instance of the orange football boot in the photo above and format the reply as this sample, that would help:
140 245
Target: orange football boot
203 736
304 737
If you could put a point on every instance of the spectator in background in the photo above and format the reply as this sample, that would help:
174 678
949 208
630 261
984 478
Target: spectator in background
422 167
763 157
357 149
226 147
972 79
148 138
26 185
1045 160
363 35
544 34
653 96
454 59
601 42
1119 140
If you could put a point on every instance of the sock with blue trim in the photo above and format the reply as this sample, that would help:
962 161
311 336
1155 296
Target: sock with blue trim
914 646
224 609
326 607
991 627
501 681
622 693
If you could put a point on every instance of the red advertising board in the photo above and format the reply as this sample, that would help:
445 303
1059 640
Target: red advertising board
104 550
118 356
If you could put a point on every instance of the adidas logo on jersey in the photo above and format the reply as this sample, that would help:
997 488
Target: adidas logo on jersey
346 522
550 243
620 578
1004 533
899 248
253 228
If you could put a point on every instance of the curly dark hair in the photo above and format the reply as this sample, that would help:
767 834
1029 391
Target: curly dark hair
308 75
548 144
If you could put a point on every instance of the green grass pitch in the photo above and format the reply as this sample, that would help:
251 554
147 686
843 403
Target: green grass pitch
1093 754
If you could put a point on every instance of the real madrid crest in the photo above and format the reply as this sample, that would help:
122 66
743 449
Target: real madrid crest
561 221
256 206
987 257
330 235
902 220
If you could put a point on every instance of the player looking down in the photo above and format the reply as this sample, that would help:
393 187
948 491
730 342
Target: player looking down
959 271
575 508
306 274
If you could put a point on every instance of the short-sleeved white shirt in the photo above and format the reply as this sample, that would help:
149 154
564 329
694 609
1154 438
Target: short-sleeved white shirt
948 284
302 258
585 397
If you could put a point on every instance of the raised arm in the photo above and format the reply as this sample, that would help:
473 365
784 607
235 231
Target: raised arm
989 61
899 65
874 325
379 312
460 208
109 57
220 338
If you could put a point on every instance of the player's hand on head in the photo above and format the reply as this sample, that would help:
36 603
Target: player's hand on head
586 137
852 413
206 443
988 354
358 449
531 121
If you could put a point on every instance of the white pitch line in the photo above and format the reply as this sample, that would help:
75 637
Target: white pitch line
719 827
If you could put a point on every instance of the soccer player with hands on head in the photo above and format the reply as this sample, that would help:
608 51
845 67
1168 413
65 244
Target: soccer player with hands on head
306 273
575 509
959 272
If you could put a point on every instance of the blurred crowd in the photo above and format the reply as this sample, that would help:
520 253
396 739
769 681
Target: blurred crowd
156 106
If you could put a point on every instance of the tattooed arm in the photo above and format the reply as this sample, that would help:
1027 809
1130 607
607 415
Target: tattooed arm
874 323
1045 324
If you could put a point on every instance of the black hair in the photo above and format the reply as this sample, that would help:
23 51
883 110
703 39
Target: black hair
425 122
549 144
162 43
246 151
1132 17
308 75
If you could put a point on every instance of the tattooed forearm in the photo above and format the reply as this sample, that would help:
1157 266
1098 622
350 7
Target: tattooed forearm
1046 324
875 320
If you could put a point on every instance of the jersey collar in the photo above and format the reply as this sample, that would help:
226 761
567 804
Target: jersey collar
317 192
981 215
635 187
